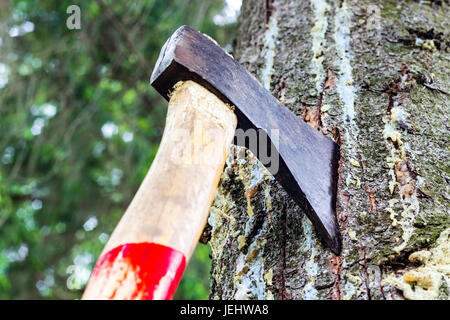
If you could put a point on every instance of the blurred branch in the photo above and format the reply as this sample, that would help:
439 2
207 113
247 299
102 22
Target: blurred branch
123 33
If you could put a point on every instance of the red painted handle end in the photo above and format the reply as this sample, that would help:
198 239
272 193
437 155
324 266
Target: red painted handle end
140 271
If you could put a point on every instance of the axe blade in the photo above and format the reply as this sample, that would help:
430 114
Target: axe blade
308 160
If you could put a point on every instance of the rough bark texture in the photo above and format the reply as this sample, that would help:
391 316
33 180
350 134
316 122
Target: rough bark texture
373 76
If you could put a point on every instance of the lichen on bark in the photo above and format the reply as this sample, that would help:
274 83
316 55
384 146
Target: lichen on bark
372 76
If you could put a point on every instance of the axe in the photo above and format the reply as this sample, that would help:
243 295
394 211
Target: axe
210 95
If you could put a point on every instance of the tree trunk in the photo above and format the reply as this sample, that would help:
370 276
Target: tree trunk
373 76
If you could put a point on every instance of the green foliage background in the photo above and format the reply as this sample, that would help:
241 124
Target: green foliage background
79 127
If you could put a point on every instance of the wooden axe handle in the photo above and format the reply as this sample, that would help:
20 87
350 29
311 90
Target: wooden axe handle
147 252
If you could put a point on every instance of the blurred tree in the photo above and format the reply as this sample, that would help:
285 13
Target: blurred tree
79 127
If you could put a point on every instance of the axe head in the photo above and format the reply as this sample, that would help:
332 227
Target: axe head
308 160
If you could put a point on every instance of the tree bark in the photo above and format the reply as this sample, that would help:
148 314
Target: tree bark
373 76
